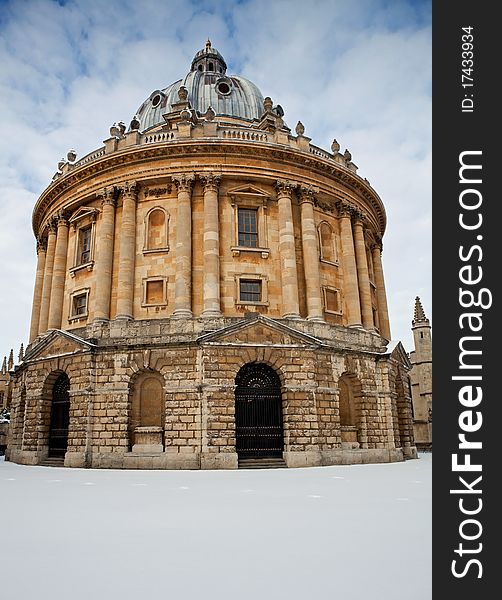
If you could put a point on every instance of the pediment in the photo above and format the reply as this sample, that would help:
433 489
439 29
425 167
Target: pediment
260 331
82 213
57 343
248 192
399 353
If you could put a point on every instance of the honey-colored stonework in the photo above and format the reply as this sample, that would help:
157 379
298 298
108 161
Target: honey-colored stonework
198 241
421 378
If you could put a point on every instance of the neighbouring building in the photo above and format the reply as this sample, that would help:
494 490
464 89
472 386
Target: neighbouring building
421 378
210 292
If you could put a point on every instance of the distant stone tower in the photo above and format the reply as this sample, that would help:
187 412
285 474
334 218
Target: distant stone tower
421 378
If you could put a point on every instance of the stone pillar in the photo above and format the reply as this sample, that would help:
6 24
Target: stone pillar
104 255
37 292
127 253
287 254
383 313
47 284
211 250
350 285
363 274
310 255
183 252
59 273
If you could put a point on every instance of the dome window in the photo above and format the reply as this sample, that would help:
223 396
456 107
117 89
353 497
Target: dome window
156 98
200 67
223 87
210 66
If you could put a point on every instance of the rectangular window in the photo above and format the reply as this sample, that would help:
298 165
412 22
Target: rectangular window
249 291
84 245
155 292
248 227
332 304
79 305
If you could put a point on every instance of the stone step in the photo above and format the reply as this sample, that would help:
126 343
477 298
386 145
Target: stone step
53 461
262 463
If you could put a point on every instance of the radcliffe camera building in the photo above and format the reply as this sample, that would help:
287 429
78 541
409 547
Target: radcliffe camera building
210 294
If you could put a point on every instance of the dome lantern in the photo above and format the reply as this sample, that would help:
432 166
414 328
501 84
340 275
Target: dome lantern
209 60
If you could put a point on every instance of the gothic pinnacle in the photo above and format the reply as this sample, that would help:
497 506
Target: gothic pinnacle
419 311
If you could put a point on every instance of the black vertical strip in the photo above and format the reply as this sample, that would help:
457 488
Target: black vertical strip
465 121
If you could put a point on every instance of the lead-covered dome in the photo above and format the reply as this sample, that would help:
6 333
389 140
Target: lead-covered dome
208 85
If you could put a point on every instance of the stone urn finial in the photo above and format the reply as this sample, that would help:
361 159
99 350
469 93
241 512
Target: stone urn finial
347 155
122 128
183 93
185 115
210 114
267 104
135 123
61 164
335 147
71 156
300 129
115 130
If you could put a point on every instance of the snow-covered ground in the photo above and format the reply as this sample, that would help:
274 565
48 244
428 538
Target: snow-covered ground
356 532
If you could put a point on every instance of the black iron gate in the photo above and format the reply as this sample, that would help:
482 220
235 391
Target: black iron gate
258 412
60 416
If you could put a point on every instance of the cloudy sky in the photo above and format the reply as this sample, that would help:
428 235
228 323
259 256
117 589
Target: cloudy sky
358 71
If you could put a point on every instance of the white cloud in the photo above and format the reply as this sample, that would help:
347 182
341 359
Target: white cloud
358 71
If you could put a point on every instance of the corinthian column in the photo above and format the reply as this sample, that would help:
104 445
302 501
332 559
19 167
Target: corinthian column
363 274
104 255
183 252
47 284
37 292
310 255
350 285
383 313
211 280
287 254
59 273
127 252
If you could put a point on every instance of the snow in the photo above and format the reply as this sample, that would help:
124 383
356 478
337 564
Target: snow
350 532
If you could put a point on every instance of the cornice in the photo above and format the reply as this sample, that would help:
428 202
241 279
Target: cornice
202 148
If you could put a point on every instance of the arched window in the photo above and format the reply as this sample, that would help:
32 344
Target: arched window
156 230
327 242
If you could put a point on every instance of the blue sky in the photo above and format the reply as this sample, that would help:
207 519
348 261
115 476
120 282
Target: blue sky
356 71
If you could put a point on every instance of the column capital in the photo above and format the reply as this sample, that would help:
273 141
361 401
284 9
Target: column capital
358 217
52 226
130 190
345 209
61 218
377 245
107 196
184 181
41 244
210 181
307 193
285 187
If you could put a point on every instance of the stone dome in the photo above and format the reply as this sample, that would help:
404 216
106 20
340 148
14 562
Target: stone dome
207 85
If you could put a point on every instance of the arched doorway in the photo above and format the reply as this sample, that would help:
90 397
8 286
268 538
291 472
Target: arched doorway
60 416
258 412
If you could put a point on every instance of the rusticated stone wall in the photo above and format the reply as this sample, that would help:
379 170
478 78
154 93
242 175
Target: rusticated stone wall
197 373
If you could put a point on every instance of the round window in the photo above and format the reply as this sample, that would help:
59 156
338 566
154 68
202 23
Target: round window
223 88
156 100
